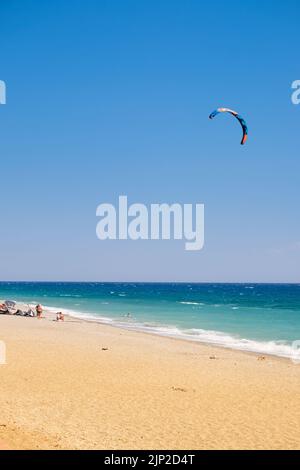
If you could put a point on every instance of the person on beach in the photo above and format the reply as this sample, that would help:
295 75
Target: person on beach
3 308
39 311
60 316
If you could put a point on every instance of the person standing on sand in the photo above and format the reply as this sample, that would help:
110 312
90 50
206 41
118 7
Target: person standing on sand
39 311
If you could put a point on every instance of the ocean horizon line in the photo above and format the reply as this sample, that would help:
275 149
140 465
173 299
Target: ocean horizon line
270 283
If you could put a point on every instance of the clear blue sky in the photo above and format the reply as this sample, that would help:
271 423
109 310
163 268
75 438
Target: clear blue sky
112 97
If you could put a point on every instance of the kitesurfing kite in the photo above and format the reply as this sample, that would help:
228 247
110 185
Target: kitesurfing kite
237 116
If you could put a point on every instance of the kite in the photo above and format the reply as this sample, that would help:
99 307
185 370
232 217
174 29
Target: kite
237 116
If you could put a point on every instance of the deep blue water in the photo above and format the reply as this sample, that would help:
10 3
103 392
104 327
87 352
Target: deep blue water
261 317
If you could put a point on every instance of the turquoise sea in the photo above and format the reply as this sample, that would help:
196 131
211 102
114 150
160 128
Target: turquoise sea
255 317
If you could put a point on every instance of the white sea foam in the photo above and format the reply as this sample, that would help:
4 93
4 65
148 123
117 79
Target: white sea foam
191 303
218 338
68 295
79 314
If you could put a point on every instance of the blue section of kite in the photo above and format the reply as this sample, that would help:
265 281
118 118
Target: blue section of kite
237 116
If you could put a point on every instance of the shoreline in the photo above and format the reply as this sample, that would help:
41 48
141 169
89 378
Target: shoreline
179 338
84 385
51 314
283 351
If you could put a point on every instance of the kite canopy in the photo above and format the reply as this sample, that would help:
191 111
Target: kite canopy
237 116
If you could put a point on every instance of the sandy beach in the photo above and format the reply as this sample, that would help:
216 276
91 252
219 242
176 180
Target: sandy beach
83 385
